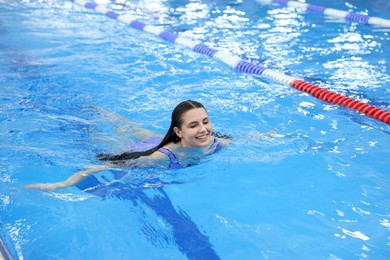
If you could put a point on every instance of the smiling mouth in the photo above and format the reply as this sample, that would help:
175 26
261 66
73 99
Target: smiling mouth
205 136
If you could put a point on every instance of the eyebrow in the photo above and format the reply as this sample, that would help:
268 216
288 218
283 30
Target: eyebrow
192 122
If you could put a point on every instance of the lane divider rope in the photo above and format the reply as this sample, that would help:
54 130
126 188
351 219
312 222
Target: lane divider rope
240 65
352 17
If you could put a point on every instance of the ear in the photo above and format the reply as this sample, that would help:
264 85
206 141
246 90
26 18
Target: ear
177 132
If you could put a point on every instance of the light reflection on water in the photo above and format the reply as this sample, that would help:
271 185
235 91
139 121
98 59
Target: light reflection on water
324 179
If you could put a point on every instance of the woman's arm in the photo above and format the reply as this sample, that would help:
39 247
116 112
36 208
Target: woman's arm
225 140
72 180
156 159
270 134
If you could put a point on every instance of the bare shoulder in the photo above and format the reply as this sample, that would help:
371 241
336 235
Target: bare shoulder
158 159
171 146
157 155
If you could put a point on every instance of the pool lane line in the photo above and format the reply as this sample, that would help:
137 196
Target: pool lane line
351 17
243 66
4 254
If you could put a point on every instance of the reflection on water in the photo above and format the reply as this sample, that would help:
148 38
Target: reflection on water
176 226
321 181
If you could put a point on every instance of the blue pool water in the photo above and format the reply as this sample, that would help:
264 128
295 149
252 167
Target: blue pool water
319 191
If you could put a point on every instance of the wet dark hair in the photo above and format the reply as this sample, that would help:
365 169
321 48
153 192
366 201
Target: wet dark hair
176 121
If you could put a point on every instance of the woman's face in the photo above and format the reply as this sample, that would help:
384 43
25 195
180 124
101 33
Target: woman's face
196 128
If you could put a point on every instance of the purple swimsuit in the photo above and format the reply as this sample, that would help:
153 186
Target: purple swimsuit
174 164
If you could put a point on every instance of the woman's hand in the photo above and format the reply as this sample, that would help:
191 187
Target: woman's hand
72 180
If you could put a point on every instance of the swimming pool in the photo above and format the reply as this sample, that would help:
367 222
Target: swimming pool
321 190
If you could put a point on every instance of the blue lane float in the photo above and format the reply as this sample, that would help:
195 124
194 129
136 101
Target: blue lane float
351 17
240 65
224 56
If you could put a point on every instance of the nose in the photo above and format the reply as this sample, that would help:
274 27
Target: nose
202 128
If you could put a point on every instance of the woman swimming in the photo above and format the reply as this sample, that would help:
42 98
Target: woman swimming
188 139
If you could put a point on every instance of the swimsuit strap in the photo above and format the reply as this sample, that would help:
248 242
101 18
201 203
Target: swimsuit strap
174 164
218 144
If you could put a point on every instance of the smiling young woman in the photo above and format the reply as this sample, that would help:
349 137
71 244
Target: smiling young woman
189 138
196 128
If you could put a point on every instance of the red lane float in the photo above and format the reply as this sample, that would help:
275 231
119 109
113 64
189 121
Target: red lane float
337 99
243 66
